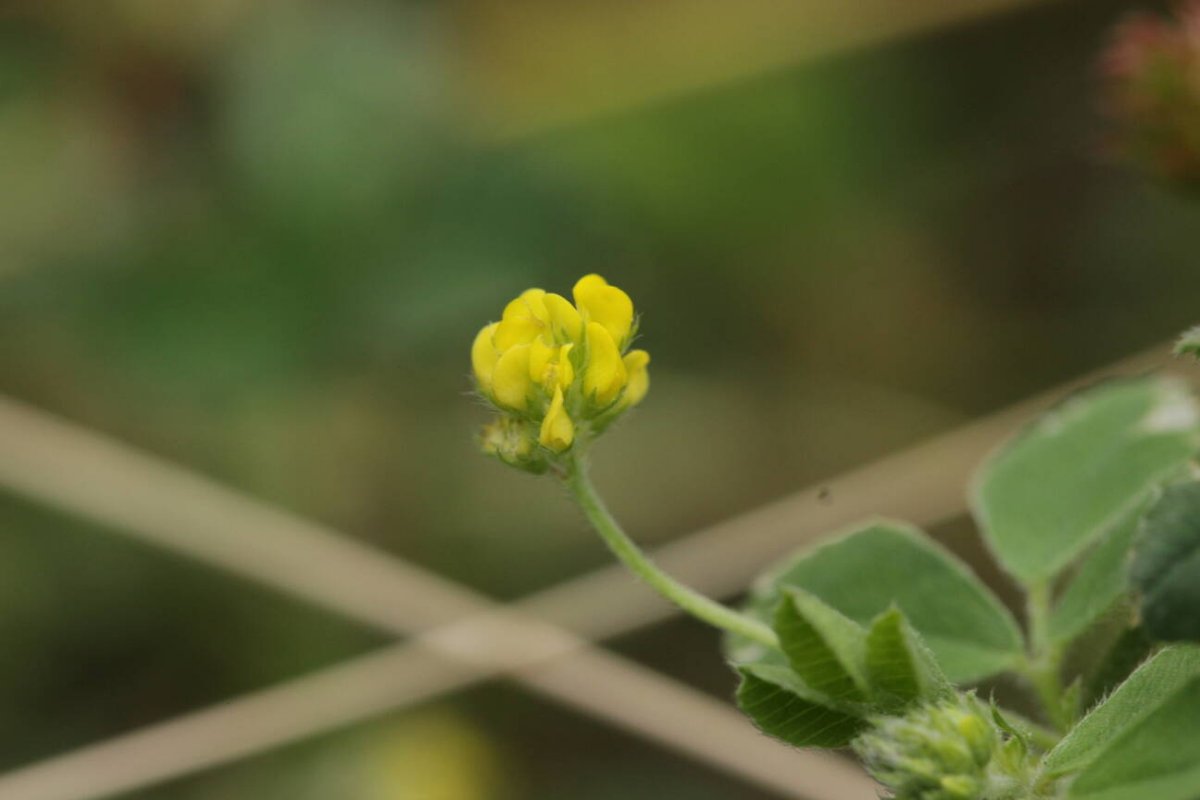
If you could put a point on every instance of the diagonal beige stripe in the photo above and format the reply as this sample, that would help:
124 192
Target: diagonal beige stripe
600 684
924 484
533 65
97 478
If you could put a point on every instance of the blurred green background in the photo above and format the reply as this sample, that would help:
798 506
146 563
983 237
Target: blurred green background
257 238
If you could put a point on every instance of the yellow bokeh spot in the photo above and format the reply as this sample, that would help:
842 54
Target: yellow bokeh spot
557 429
606 305
604 376
433 756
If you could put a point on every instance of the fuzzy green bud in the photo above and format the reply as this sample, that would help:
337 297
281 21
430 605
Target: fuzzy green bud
513 441
944 751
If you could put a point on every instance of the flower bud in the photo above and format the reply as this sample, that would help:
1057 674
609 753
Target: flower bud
511 440
945 751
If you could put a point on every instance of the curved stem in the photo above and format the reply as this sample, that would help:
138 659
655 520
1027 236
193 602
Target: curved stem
632 556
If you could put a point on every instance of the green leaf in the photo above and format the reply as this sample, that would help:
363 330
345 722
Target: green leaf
1067 479
864 573
1166 565
1099 582
1158 757
900 668
1149 687
827 650
1118 662
781 705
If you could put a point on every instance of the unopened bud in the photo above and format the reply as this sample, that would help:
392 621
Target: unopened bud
944 751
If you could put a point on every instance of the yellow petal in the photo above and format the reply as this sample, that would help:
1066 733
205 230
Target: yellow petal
604 376
638 382
566 371
484 356
516 330
524 319
606 305
557 429
510 379
565 321
541 360
529 303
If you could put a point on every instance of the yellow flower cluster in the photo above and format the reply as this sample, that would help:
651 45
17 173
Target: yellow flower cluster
558 371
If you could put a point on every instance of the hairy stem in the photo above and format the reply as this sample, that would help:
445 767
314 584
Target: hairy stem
631 555
1044 661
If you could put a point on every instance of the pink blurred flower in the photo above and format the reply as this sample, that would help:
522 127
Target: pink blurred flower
1151 73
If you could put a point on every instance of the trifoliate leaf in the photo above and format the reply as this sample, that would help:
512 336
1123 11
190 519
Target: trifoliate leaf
865 573
1076 472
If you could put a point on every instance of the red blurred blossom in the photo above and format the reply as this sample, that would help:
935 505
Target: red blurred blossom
1151 73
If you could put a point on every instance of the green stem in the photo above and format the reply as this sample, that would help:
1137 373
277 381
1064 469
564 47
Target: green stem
1040 735
628 552
1044 662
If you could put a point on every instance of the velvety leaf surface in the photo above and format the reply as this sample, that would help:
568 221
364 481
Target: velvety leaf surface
827 650
1149 687
1166 565
1158 758
900 668
781 705
1101 579
865 573
1056 488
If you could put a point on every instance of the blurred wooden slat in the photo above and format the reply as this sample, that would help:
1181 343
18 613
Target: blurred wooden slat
80 471
77 470
529 65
